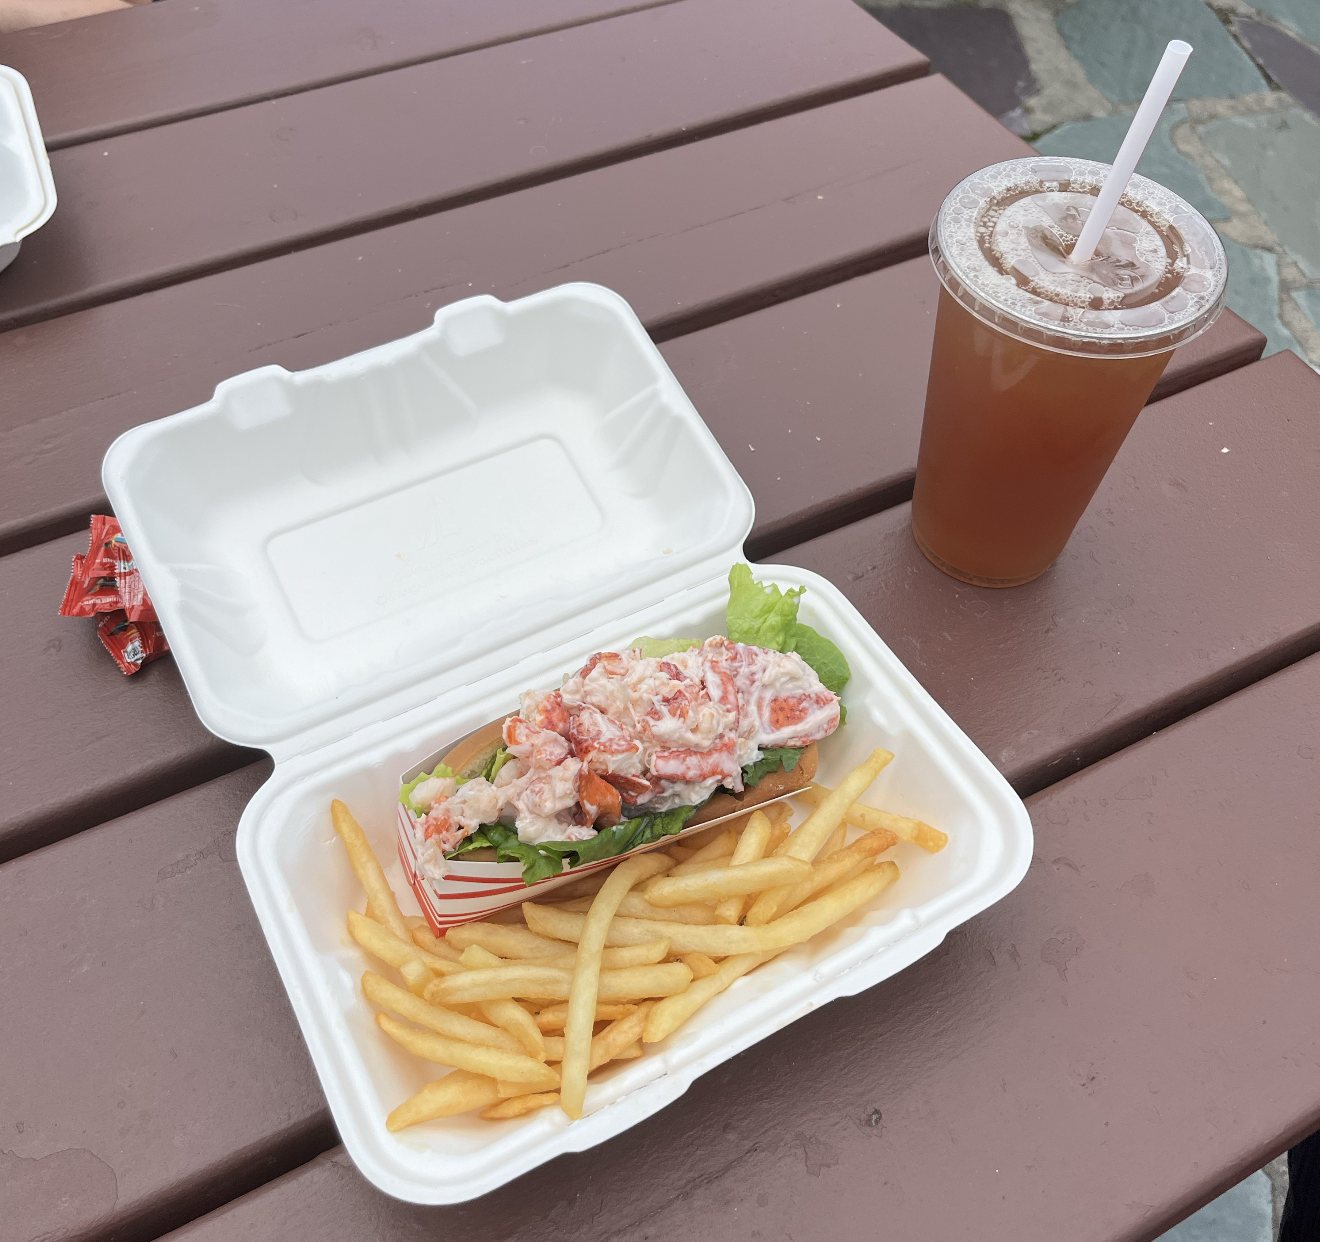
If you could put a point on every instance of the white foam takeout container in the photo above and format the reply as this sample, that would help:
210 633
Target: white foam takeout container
359 564
27 191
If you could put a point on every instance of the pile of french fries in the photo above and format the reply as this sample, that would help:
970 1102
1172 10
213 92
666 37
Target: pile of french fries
524 1013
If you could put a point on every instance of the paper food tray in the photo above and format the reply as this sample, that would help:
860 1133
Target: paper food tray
380 554
27 191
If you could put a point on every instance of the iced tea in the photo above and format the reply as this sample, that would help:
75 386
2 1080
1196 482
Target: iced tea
1040 367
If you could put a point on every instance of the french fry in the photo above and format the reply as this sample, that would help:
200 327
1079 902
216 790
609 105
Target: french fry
721 847
613 959
813 832
680 853
502 940
518 1106
457 1092
366 866
554 1017
506 1014
635 906
554 1048
587 886
779 834
520 980
841 865
521 1025
619 1035
382 943
700 965
669 1014
423 939
587 975
932 840
721 941
445 1022
751 847
727 881
838 838
510 1066
631 1052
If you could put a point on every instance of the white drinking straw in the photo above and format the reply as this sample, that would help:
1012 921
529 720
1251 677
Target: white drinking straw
1134 145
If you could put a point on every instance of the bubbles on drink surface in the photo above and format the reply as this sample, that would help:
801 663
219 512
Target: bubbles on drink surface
1004 235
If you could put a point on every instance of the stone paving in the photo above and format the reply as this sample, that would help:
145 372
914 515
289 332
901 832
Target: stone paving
1241 142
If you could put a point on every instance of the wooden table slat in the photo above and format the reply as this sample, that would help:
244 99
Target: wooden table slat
116 72
78 708
991 1082
152 208
1132 606
701 232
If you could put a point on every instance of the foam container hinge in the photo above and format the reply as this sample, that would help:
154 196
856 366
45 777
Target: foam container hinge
360 564
27 190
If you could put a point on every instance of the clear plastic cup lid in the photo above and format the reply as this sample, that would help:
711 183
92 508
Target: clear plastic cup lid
1001 240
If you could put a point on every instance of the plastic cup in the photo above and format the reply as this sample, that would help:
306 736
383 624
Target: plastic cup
1040 366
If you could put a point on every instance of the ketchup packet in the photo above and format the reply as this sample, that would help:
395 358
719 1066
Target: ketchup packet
89 591
106 581
108 553
131 643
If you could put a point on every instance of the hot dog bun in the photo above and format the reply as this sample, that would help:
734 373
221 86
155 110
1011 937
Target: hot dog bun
470 757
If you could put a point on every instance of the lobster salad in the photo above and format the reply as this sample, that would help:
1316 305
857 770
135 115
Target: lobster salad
633 743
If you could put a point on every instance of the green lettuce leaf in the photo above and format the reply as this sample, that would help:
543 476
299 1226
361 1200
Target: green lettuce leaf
549 857
760 616
771 760
405 794
767 617
824 657
497 761
655 648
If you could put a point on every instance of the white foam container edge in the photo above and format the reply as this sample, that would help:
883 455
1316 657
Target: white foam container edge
27 189
359 564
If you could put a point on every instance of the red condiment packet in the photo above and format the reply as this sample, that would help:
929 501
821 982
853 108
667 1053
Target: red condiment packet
137 603
131 643
108 553
89 592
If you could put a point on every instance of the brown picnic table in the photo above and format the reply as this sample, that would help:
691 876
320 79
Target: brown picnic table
1128 1033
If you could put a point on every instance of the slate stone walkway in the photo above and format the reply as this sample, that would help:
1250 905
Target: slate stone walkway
1242 142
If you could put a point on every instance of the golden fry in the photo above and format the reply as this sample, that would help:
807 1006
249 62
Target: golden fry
519 1105
669 1014
445 1022
932 840
506 1014
502 939
366 866
752 846
587 977
554 1048
434 945
554 1017
511 1066
700 965
617 1036
679 853
841 865
635 906
520 980
721 847
457 1092
614 959
813 832
721 941
727 881
631 1052
382 943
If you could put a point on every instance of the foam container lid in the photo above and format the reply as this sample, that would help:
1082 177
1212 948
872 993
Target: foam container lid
360 564
27 190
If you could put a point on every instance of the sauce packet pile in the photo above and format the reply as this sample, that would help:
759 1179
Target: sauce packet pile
106 583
